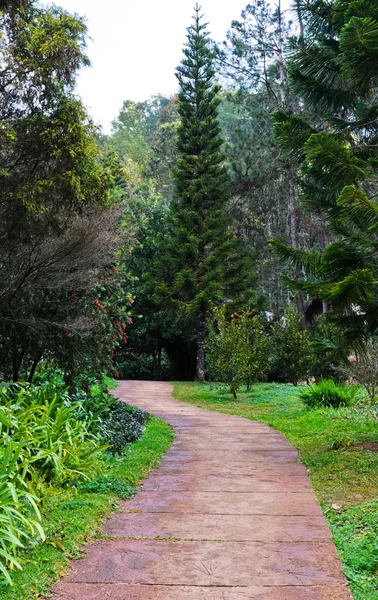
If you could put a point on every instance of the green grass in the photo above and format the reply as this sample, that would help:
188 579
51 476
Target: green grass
342 473
74 515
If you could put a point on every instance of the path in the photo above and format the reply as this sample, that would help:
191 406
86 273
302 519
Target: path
229 515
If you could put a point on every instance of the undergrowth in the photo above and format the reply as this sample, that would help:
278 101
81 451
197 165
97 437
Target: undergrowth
74 514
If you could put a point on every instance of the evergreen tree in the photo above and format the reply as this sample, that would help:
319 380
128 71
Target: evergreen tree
202 263
335 74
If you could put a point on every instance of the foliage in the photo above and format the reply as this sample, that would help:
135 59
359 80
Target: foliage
347 479
144 367
237 353
201 262
364 367
59 225
328 393
72 514
54 444
292 350
163 336
331 71
41 441
330 352
144 135
19 515
123 426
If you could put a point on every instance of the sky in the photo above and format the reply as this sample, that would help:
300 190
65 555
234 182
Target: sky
136 46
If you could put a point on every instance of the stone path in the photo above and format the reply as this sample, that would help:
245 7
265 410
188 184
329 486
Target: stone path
229 515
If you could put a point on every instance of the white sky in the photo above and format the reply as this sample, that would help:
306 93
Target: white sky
136 47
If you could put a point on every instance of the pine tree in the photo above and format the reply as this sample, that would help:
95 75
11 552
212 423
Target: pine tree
334 73
202 262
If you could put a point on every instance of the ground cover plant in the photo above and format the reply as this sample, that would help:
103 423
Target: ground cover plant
56 446
338 446
72 514
328 393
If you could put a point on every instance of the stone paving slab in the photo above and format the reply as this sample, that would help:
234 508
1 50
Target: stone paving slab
208 563
246 528
273 456
161 592
230 514
258 444
231 467
227 503
237 483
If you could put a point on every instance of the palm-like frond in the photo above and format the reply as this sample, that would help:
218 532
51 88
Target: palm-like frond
310 262
342 258
359 285
357 209
291 133
359 51
333 163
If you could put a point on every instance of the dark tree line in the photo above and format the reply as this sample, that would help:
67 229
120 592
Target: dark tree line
59 217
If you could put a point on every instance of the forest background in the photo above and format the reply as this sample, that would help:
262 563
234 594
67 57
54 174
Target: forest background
89 221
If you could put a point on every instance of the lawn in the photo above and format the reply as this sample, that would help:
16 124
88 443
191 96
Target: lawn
333 444
73 515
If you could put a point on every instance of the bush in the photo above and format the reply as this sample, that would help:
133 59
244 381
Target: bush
292 349
56 445
329 394
364 368
124 426
330 351
237 353
103 485
19 515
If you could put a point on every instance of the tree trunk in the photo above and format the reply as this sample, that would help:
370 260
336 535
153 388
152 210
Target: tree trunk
200 365
33 368
281 59
16 358
293 233
156 358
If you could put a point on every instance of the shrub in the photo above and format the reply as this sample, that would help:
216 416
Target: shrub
330 351
237 353
55 443
19 515
124 426
364 368
103 485
292 349
329 394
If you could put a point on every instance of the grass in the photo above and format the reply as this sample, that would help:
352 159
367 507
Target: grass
330 443
74 515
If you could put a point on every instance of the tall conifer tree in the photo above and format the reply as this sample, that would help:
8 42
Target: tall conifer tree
204 263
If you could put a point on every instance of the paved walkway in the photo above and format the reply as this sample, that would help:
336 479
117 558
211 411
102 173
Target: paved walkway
229 515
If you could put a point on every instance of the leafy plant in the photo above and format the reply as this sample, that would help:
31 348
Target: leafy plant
237 354
292 349
125 425
19 515
55 444
101 485
329 394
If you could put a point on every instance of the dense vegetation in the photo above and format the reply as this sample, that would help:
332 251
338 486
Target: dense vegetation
225 233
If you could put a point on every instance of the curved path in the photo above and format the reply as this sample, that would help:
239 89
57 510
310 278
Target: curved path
229 515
